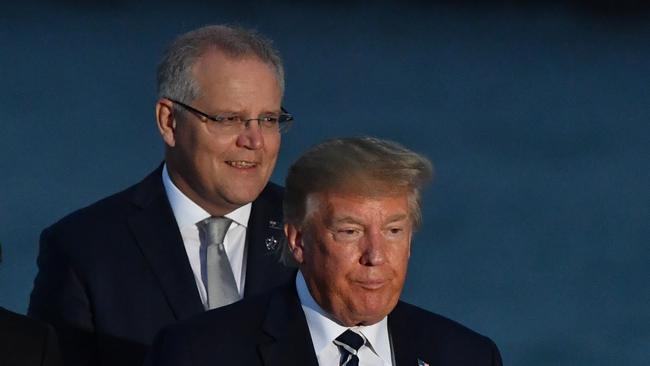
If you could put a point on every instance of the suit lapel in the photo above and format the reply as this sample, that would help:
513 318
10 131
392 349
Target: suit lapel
287 340
264 238
156 232
404 337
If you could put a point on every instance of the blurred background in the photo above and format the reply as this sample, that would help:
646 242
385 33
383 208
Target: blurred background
535 115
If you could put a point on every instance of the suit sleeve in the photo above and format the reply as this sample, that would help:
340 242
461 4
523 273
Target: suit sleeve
496 356
170 348
59 298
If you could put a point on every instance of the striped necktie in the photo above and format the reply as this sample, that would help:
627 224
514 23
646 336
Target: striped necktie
349 343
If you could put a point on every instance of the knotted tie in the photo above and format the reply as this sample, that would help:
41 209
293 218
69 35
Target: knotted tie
222 288
349 343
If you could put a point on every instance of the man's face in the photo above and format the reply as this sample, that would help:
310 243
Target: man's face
353 252
222 172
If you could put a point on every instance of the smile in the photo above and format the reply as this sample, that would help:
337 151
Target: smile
241 164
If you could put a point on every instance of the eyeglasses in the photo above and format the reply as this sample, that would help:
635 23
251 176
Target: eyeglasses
231 123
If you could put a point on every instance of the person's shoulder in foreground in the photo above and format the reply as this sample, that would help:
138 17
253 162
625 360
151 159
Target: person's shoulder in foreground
227 336
350 209
243 334
26 342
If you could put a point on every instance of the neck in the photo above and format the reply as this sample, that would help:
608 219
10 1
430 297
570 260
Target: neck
213 208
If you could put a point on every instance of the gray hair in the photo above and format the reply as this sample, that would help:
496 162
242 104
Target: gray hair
174 74
363 165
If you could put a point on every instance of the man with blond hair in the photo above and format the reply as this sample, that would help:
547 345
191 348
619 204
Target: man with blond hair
350 210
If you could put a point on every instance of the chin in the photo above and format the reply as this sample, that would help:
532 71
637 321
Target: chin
243 196
369 315
370 319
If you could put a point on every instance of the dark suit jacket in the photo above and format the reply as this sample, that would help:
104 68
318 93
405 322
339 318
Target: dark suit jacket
271 330
114 273
26 342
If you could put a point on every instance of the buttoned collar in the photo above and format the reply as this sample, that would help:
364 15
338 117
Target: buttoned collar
324 329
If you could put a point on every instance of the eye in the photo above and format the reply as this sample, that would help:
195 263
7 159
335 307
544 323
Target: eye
395 232
269 121
231 120
347 234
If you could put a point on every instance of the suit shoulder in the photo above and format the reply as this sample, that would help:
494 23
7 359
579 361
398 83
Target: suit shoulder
218 331
88 232
93 212
21 329
112 207
26 341
430 326
422 316
203 334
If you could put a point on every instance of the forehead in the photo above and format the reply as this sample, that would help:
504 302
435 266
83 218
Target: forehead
216 64
336 205
236 83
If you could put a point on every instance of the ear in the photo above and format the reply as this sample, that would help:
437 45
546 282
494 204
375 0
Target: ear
166 121
296 245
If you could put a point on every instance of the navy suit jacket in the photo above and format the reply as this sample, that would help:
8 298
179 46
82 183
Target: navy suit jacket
271 330
111 275
26 342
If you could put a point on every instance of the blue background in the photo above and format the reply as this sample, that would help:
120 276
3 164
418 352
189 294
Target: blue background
536 117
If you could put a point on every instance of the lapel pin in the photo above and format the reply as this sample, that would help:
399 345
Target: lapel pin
271 244
275 225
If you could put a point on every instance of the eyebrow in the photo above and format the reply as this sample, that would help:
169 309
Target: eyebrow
345 220
352 220
397 217
243 111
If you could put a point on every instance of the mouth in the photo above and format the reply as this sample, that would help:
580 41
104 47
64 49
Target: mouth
242 164
372 284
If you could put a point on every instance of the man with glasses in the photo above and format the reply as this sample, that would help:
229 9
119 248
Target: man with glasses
198 233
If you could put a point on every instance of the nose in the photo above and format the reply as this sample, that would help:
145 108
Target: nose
374 249
251 136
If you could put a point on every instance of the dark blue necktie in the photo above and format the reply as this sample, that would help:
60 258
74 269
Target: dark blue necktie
349 343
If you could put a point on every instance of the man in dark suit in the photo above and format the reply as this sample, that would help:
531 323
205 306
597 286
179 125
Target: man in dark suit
25 341
197 233
350 208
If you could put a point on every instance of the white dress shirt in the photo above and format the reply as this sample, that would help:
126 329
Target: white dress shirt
323 330
188 214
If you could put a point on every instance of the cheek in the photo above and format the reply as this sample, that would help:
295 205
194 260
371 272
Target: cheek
403 262
191 143
215 145
323 258
334 263
272 146
401 252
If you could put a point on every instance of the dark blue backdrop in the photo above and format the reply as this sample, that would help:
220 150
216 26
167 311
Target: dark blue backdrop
536 117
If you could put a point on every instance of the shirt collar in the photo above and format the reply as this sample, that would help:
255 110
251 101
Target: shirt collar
324 329
188 213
